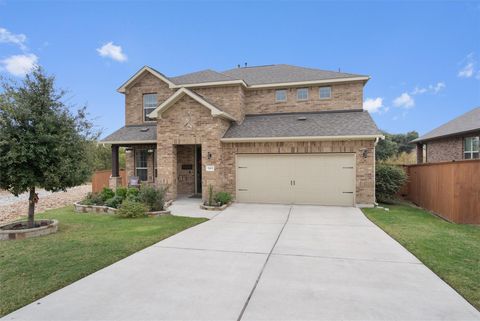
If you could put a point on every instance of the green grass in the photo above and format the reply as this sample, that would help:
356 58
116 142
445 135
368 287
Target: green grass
84 243
452 251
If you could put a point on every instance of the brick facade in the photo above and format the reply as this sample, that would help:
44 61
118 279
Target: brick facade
188 123
344 96
445 149
365 178
145 84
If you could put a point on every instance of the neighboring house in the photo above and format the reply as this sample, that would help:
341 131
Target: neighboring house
267 134
456 140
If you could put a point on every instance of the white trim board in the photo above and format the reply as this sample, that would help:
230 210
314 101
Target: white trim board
299 138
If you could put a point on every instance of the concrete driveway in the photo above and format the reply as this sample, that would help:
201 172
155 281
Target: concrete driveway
263 262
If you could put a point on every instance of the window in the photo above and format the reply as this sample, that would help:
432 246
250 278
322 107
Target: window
141 169
471 150
325 92
280 95
149 105
302 93
424 153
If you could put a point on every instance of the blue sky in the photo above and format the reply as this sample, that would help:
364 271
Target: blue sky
423 57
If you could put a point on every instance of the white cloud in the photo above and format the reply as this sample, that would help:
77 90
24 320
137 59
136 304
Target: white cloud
112 51
419 91
434 89
468 69
437 87
17 39
404 101
19 65
374 105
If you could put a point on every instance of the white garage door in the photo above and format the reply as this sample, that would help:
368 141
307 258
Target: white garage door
323 179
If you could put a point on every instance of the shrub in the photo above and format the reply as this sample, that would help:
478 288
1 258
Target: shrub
132 194
388 181
153 198
121 192
132 209
106 194
114 201
92 199
223 198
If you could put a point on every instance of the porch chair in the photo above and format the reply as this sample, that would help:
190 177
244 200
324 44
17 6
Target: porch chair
134 181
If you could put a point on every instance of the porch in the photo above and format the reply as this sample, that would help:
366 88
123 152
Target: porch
141 162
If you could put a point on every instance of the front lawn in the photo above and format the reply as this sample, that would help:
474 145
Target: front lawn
84 243
452 251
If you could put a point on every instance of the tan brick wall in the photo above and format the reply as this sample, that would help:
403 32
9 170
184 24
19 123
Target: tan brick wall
344 96
203 129
230 99
145 84
185 177
365 178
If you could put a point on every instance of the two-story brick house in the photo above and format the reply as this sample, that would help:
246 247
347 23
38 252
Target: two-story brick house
271 134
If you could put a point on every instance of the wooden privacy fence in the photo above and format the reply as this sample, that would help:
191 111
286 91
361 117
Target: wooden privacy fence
450 190
100 179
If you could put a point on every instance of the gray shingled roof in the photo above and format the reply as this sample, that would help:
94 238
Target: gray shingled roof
340 123
207 75
140 133
467 122
283 73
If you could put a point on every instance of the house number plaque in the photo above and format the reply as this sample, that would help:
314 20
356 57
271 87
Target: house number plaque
210 168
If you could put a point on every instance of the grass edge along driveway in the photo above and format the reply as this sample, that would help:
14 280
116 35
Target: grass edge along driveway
84 243
450 250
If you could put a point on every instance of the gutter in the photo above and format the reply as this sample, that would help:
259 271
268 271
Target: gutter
300 138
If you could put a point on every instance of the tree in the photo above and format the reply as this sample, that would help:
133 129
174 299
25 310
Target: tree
394 145
42 144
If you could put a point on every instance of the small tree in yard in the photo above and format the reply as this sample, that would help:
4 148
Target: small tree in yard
41 143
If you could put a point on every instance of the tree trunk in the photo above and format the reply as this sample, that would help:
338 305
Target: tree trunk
31 208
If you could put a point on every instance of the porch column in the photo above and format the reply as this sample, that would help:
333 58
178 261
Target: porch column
115 169
115 179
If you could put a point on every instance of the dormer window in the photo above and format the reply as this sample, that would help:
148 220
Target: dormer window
280 95
149 105
302 94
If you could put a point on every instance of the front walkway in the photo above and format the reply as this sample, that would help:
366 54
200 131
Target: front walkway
263 262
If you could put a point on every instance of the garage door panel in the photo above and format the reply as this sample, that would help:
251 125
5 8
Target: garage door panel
263 179
325 179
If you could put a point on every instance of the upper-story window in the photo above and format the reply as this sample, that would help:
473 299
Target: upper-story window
325 92
149 105
302 94
280 95
471 150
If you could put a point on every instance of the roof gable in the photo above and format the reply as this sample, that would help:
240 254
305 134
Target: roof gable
215 112
470 121
154 72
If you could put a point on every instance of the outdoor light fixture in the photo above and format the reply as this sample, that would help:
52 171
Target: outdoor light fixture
209 155
364 152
